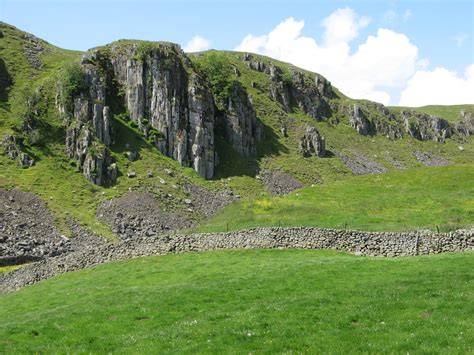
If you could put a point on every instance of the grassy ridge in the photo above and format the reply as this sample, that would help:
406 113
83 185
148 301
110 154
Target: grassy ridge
449 112
418 198
249 301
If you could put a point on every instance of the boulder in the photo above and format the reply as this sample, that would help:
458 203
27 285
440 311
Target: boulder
312 143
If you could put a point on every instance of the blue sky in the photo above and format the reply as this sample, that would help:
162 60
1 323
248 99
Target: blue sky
441 31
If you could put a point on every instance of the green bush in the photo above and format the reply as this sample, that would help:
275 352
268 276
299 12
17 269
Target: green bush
71 83
219 70
143 50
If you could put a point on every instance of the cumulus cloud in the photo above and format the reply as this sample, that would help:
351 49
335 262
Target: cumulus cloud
385 60
439 86
197 44
342 26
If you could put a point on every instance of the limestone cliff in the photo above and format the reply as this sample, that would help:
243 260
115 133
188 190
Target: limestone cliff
242 128
308 92
164 92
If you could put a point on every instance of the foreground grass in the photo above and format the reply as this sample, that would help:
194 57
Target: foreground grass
404 200
247 301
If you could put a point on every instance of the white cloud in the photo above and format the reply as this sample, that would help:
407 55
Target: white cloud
439 86
343 25
197 44
385 60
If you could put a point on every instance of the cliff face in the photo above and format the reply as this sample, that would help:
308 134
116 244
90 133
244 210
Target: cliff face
172 103
89 132
168 99
242 128
165 93
162 93
310 95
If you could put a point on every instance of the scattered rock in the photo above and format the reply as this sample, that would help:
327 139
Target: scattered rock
28 233
429 159
360 164
278 182
139 214
132 156
131 174
208 202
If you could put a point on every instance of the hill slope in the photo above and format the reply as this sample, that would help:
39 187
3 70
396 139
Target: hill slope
184 129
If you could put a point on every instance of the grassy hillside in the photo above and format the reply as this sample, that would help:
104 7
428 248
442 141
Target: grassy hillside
449 112
419 198
279 152
247 302
54 177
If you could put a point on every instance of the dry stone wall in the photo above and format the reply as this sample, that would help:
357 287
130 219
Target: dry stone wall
356 242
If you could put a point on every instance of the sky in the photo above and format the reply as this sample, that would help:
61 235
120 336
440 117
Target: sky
408 53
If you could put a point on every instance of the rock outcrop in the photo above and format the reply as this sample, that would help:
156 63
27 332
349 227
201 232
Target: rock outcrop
164 92
373 118
308 92
466 126
359 121
89 132
311 96
312 143
242 128
426 127
13 150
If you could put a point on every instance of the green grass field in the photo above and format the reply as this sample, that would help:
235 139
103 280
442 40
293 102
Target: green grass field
402 200
249 301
